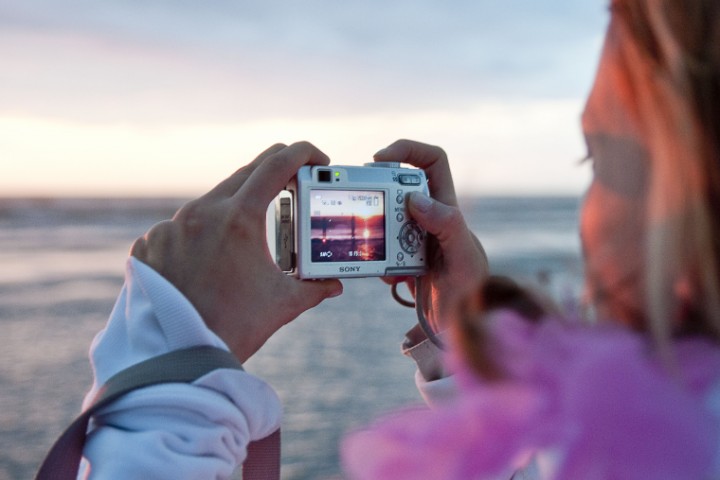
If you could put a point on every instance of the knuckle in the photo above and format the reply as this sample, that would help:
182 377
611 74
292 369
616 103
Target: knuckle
139 249
272 149
159 234
193 216
303 146
277 160
246 221
304 150
440 153
188 209
157 239
425 154
415 145
243 172
403 143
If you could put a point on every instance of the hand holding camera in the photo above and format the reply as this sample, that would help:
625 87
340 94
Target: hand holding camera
215 252
334 222
457 263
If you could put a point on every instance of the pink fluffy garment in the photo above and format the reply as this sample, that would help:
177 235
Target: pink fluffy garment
583 402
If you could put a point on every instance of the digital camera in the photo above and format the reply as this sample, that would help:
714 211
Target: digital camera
350 221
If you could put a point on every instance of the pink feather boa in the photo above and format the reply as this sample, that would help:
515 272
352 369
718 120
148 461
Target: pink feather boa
594 400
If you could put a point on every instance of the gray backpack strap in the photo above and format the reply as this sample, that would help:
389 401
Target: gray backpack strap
179 366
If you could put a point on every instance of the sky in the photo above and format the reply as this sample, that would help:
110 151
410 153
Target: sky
168 97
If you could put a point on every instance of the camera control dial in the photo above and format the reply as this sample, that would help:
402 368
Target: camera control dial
411 237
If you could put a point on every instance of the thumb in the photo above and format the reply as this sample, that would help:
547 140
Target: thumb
445 222
461 251
310 293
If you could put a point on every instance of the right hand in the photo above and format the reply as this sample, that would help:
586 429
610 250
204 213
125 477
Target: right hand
215 252
458 264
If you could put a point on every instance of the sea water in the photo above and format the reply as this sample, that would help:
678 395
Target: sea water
336 368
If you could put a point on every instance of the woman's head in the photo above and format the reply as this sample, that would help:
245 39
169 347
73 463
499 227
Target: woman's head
651 220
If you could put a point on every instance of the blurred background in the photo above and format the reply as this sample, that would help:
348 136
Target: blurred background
113 113
163 97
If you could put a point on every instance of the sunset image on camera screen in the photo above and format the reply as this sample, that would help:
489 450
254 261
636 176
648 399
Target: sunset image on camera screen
347 225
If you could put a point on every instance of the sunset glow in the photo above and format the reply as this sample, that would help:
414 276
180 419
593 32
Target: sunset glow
493 148
167 99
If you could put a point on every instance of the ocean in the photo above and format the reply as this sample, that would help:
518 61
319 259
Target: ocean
336 368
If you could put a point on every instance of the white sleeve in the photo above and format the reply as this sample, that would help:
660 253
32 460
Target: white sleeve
432 380
436 392
179 431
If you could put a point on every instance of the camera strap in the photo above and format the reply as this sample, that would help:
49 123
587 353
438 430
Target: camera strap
180 366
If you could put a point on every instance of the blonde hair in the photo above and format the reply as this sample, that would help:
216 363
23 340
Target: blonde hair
671 56
674 66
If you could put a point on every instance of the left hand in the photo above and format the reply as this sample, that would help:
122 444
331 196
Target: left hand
458 264
215 252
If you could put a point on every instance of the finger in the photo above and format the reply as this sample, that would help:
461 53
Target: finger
410 284
274 172
430 158
152 247
309 293
230 186
461 250
393 280
445 222
139 249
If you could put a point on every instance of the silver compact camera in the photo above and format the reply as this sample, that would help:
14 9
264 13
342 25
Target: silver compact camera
350 221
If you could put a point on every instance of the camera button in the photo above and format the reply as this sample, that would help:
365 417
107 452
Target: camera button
400 257
400 217
409 179
400 199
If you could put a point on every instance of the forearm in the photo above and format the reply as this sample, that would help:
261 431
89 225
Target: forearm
198 430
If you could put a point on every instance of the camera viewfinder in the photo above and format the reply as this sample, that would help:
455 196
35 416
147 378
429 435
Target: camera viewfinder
325 176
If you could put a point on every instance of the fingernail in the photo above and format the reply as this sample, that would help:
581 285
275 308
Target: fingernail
421 201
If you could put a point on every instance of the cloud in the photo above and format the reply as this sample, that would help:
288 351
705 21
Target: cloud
163 61
91 93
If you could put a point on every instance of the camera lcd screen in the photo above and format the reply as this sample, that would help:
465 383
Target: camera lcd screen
347 225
